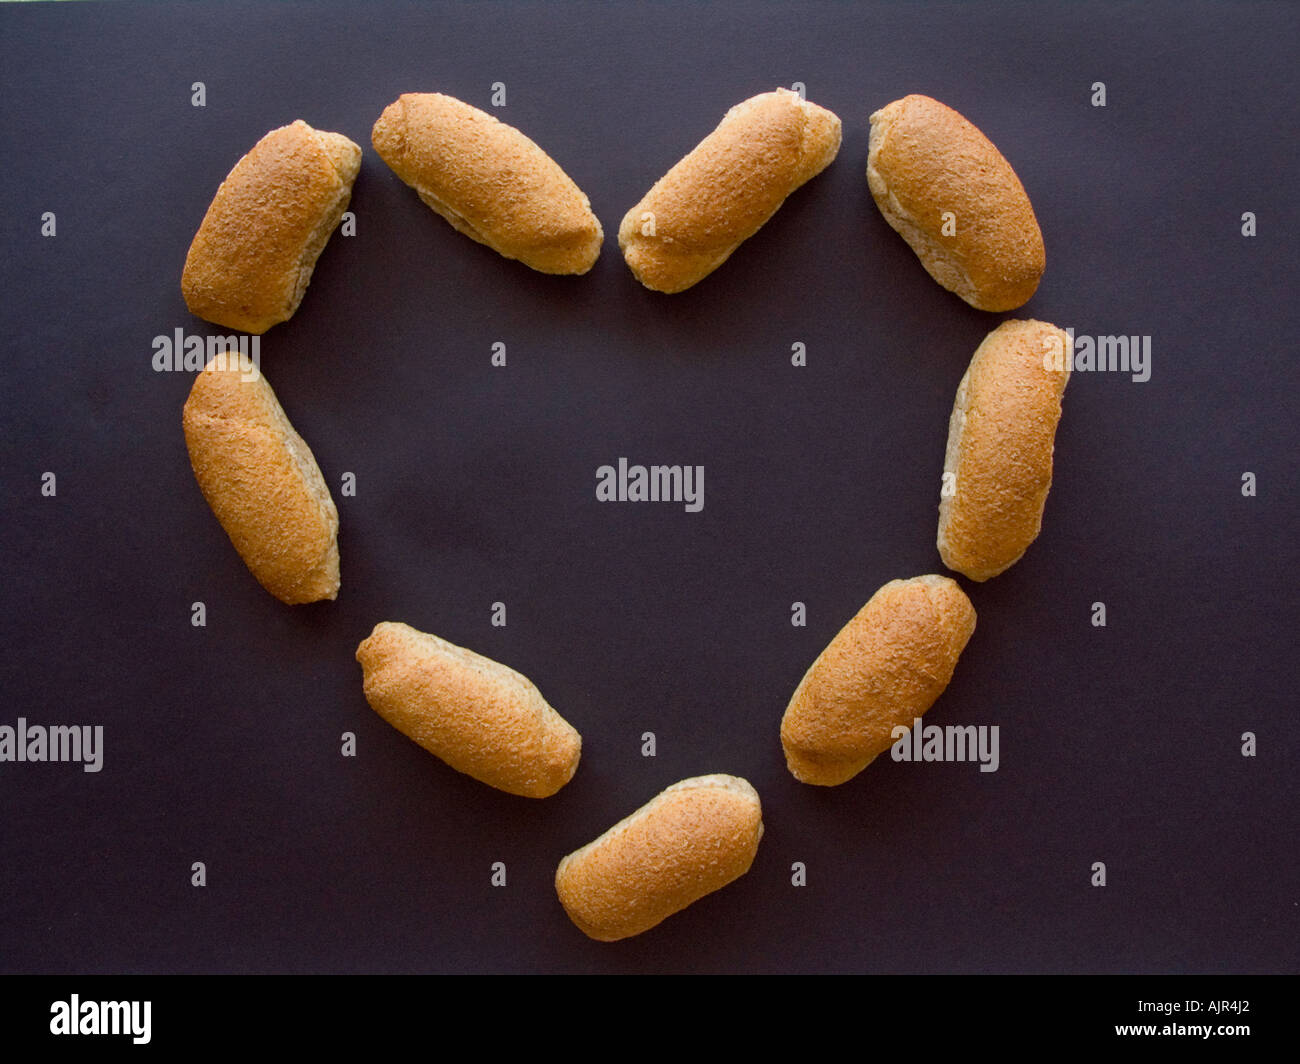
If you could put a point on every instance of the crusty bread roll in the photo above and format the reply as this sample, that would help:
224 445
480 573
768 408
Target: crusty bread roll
479 716
255 251
720 195
925 159
886 667
489 181
1000 442
262 482
692 839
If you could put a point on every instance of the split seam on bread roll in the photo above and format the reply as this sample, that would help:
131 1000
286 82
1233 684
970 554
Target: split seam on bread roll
1001 436
693 838
884 668
722 193
262 483
481 717
489 181
948 191
253 256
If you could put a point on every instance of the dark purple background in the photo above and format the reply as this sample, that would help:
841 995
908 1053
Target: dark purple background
475 484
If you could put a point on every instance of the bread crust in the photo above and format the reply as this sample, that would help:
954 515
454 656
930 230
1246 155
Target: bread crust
1001 438
253 256
489 181
722 193
884 668
262 482
693 838
925 159
481 717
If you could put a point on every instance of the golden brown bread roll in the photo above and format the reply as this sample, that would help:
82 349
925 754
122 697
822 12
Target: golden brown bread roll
254 253
998 464
262 482
479 716
489 181
720 195
925 159
692 839
884 668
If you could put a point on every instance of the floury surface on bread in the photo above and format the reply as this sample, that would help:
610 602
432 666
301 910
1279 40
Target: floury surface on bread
723 192
250 262
481 717
944 187
489 181
693 838
262 482
1001 439
884 668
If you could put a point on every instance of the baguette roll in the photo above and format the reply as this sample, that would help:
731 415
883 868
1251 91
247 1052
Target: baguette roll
692 839
262 483
884 668
489 181
1000 442
253 256
479 716
722 193
924 160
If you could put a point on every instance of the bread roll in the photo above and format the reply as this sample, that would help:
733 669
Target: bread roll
254 254
489 181
720 195
479 716
694 838
262 482
924 160
1000 443
886 667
